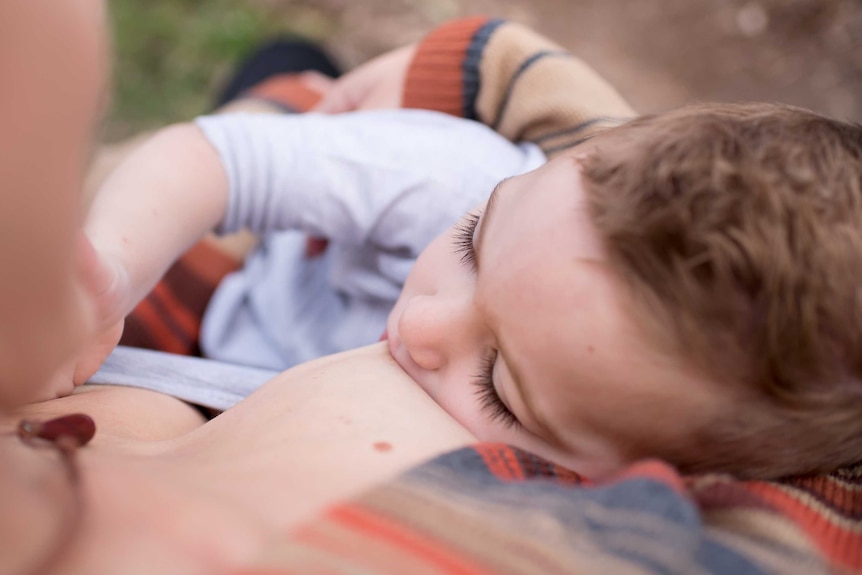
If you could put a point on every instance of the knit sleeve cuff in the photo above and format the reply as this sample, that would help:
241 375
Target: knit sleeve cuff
444 73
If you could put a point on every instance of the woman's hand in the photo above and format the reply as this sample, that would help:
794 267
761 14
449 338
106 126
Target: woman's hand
376 84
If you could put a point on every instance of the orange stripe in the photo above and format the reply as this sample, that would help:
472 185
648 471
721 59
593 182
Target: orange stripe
435 80
842 547
501 460
153 322
288 89
842 497
264 571
651 469
494 460
426 551
184 319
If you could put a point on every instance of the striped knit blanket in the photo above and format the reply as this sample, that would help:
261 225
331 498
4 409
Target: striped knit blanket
492 509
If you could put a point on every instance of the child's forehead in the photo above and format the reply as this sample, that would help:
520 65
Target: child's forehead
560 174
616 141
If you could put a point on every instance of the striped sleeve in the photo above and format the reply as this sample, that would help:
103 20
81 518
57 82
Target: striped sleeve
514 80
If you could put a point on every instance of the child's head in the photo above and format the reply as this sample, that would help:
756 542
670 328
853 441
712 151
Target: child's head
684 288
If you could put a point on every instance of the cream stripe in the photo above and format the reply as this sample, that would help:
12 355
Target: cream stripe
556 548
765 538
706 482
843 484
802 496
827 513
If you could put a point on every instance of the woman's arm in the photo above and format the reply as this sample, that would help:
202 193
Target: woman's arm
493 71
379 178
514 80
387 179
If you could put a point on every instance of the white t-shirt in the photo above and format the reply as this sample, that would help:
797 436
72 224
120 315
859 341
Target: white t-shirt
380 185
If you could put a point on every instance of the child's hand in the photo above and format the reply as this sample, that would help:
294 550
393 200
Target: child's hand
85 364
106 290
107 283
376 84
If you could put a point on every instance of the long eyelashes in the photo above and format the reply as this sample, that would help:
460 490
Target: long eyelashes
463 239
489 400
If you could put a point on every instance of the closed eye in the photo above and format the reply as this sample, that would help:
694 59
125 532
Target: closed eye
489 400
463 239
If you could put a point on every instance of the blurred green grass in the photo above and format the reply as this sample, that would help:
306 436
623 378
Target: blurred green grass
170 55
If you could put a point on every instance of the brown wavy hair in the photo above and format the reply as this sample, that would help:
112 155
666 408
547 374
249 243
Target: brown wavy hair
738 231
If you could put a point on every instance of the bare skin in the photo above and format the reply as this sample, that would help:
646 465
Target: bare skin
162 491
232 484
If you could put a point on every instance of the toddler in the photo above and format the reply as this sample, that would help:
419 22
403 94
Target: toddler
672 287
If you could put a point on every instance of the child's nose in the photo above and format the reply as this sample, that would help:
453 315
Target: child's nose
435 328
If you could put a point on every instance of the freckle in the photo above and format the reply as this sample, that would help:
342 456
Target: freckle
383 446
590 349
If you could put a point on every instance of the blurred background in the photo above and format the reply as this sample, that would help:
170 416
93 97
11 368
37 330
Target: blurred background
171 55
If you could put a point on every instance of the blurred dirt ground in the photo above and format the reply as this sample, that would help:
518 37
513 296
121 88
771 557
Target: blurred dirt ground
659 53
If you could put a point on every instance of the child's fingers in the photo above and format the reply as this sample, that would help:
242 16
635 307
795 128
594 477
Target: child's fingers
77 371
60 384
376 84
96 277
343 96
105 282
94 356
316 81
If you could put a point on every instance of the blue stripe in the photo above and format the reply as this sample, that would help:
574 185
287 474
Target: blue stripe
583 125
566 146
470 66
520 71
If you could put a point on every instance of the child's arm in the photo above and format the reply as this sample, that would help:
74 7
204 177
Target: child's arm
148 212
514 80
389 180
158 203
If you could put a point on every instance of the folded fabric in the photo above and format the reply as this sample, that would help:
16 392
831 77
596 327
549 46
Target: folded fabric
212 384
